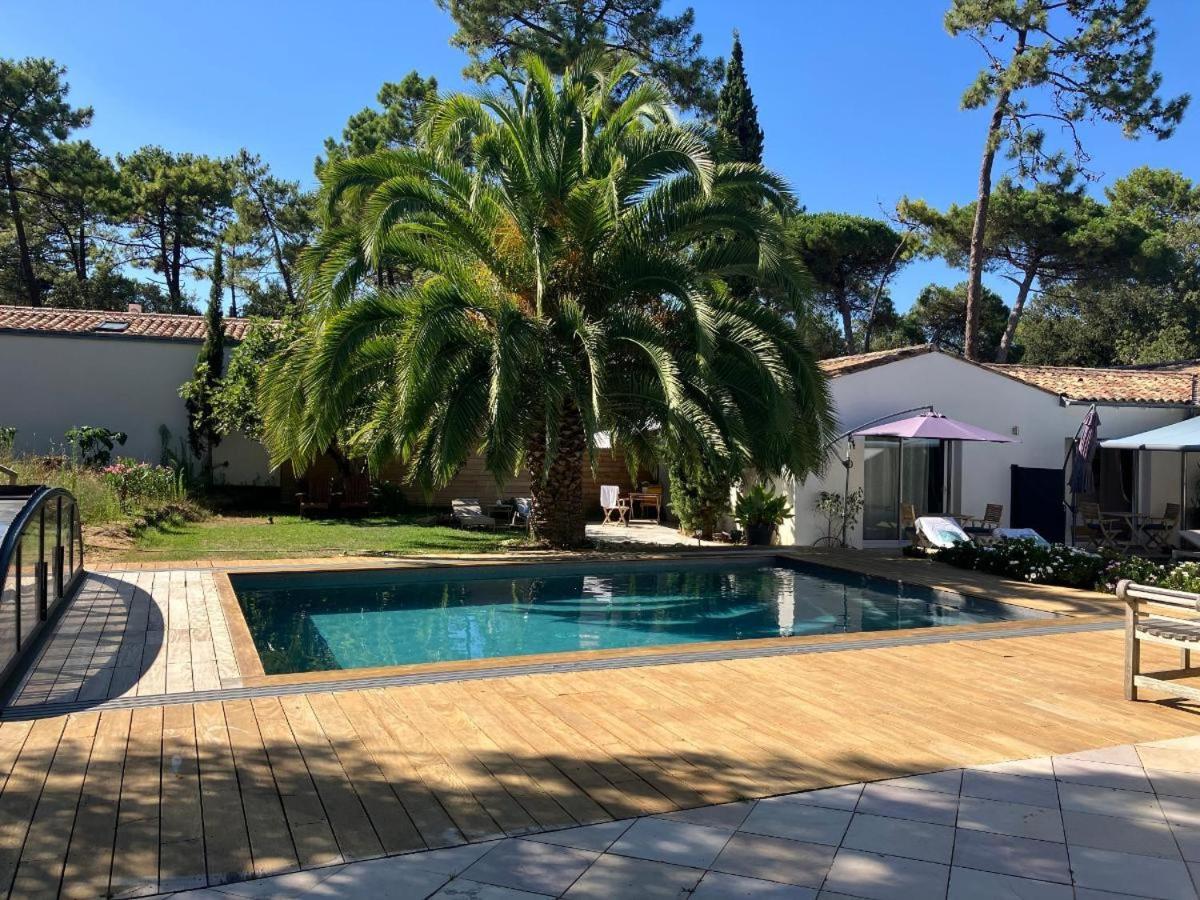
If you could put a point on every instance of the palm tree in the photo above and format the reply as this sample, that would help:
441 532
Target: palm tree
563 250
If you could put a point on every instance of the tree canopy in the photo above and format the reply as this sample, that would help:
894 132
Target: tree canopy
560 32
570 280
1061 63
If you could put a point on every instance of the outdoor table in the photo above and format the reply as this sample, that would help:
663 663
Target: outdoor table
1134 521
645 499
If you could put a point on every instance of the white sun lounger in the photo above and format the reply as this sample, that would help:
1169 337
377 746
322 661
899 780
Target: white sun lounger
939 532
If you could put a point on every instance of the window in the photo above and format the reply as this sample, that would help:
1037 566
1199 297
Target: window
111 327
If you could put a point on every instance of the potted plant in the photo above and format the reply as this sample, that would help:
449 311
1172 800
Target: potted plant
761 511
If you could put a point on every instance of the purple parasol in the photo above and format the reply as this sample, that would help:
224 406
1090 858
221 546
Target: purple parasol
935 426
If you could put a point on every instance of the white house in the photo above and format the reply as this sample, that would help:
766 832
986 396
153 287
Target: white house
1041 406
121 370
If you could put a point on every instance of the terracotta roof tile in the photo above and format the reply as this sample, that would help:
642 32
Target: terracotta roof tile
90 321
844 365
1116 385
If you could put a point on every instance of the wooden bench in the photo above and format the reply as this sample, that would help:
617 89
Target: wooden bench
1160 616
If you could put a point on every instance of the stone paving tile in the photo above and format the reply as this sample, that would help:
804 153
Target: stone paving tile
877 877
972 884
448 861
1110 802
618 876
783 817
946 782
844 797
1007 855
719 886
1188 840
902 803
1016 819
381 878
1183 811
530 866
1175 784
1123 755
1147 837
1100 774
1092 894
679 843
586 837
1036 767
775 859
464 889
1010 788
1171 758
1166 879
723 815
893 837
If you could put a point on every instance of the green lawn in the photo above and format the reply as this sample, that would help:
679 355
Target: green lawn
254 537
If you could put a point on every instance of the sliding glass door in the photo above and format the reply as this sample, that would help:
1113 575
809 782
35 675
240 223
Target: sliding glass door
898 474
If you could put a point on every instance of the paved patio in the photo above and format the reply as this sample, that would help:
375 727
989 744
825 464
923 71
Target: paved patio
1116 822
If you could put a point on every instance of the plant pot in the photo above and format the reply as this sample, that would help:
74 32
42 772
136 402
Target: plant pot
760 535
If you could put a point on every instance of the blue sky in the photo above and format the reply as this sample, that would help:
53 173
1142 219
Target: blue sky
859 101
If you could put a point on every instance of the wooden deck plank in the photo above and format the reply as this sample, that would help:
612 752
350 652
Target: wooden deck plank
40 870
89 858
271 846
135 853
436 827
181 830
456 799
226 841
348 818
306 816
392 824
22 791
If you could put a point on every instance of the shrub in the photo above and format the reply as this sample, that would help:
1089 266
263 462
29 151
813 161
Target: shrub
93 445
1029 561
141 484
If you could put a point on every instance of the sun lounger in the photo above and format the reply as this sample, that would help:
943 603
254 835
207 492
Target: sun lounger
469 514
939 532
1019 534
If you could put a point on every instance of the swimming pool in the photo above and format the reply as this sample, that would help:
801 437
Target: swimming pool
318 621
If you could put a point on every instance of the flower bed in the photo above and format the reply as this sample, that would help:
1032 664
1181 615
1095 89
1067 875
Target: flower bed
1059 564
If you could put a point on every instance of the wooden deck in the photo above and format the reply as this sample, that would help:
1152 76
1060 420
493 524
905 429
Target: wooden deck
135 801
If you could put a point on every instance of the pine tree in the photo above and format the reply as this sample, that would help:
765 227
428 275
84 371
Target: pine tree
198 393
737 116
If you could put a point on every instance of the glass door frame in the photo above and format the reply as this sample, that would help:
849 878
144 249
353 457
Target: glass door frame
947 456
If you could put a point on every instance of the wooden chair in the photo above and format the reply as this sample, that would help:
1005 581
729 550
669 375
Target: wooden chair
983 527
908 522
1094 528
356 494
650 496
317 496
613 504
1157 615
1158 530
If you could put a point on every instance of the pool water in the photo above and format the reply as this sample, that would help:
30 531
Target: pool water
309 622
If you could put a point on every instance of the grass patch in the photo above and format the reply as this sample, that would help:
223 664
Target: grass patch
252 537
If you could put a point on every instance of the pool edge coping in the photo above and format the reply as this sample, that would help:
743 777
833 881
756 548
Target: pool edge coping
254 675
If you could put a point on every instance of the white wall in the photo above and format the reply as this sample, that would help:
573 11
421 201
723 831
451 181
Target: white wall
980 397
51 383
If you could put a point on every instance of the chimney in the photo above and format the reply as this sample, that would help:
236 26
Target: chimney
135 307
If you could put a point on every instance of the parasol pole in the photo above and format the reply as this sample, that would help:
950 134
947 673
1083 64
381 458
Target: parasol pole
848 463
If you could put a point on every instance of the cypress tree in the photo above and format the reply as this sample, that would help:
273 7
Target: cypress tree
206 379
737 116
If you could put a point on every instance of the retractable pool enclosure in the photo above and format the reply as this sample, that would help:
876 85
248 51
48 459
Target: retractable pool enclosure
41 562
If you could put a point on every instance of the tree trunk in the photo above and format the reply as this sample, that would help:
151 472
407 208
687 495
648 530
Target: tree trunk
81 265
558 490
979 227
174 281
847 321
26 259
868 331
1014 316
280 262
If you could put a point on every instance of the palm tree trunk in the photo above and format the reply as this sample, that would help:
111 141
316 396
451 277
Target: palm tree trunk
558 489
